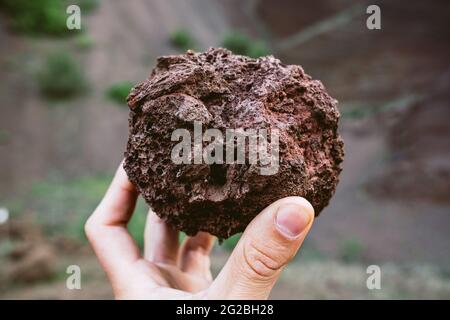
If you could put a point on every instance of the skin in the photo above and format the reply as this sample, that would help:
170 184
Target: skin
167 270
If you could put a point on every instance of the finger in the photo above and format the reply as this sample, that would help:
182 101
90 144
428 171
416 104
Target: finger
269 242
194 255
106 228
160 241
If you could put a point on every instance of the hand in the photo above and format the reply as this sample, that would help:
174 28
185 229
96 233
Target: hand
167 271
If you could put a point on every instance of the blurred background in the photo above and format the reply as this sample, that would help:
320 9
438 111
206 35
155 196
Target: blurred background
63 131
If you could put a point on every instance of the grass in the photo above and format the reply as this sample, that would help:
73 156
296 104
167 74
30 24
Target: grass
350 251
4 137
240 43
43 17
84 42
257 49
182 40
86 6
61 77
62 206
118 92
309 252
36 17
231 242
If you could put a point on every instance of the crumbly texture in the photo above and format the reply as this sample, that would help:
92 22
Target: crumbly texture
223 90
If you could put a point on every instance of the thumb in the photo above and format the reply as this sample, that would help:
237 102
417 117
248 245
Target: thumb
269 242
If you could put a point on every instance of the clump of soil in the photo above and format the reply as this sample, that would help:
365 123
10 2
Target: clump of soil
221 91
31 257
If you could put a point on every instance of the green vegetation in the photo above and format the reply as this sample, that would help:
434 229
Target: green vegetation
182 40
61 77
231 242
43 17
36 17
240 43
257 49
63 205
4 137
236 42
309 252
350 251
86 6
84 41
118 92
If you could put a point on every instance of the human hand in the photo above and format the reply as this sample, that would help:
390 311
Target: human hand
167 271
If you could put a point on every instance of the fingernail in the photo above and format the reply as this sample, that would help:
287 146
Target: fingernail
292 219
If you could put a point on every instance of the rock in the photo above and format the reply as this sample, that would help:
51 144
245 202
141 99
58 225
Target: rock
36 264
216 89
31 257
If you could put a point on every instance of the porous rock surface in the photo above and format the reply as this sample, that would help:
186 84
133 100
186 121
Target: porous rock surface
223 90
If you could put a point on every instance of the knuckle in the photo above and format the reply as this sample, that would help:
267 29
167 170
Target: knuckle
262 261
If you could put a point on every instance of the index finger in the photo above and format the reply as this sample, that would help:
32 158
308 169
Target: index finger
107 231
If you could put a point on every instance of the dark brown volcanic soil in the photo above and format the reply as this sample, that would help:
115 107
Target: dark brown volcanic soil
223 91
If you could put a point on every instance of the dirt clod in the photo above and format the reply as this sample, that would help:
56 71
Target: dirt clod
30 257
226 91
